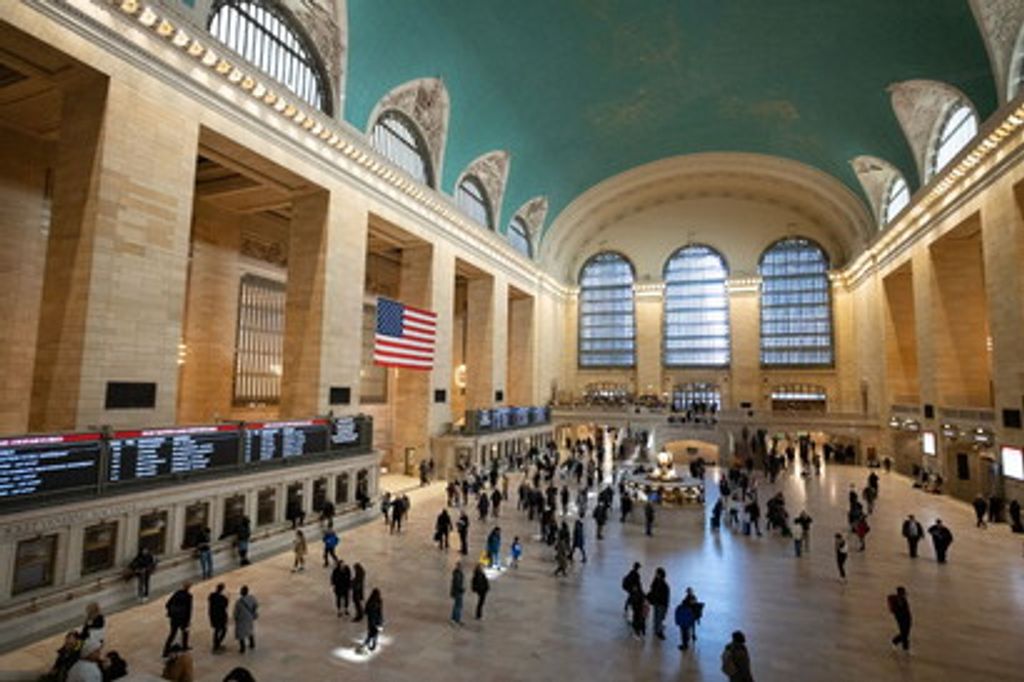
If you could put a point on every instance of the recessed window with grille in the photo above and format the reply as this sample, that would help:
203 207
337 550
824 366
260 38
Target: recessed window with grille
796 305
373 379
696 395
99 545
800 397
897 196
696 309
153 532
957 130
259 345
263 35
471 197
397 138
519 237
34 562
266 506
607 322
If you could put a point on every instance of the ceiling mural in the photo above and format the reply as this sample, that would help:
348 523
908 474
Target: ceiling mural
578 91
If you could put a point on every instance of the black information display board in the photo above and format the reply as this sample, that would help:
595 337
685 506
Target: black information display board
520 416
540 415
46 464
265 442
151 453
345 433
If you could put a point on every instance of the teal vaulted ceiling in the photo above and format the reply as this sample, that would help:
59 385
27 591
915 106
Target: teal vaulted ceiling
580 90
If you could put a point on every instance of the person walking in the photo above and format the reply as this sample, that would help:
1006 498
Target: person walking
494 548
899 607
562 557
802 541
299 550
483 505
861 530
456 591
242 536
179 614
358 585
341 583
913 532
385 508
246 612
980 509
516 551
600 518
374 619
203 549
631 583
462 527
648 518
442 527
330 540
942 538
658 597
687 614
217 609
480 586
842 552
578 540
142 567
736 659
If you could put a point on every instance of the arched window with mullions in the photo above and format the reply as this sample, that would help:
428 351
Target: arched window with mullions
696 309
796 305
261 33
607 319
471 197
897 197
519 237
397 138
958 128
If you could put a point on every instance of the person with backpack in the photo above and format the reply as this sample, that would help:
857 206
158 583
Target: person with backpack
736 659
480 586
688 613
179 613
330 540
899 607
942 538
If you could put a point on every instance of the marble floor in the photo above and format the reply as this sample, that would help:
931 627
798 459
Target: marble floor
801 623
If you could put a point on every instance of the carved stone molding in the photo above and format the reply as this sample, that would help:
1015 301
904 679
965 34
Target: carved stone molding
492 171
323 22
425 101
260 249
534 212
874 175
919 106
1000 23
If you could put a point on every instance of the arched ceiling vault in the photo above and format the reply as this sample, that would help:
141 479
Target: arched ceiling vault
579 91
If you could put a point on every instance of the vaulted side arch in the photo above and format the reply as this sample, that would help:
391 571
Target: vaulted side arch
426 104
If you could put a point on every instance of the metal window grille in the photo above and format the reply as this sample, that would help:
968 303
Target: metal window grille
958 129
796 305
519 237
696 328
472 199
897 196
396 137
607 320
259 344
257 31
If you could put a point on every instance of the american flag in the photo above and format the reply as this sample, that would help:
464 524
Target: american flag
404 337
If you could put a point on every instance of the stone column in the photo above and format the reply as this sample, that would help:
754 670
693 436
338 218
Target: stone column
480 332
745 334
114 288
499 340
521 338
649 306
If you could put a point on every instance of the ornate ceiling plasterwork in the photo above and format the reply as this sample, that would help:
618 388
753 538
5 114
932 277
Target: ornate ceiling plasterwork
491 169
1001 23
425 101
875 174
919 106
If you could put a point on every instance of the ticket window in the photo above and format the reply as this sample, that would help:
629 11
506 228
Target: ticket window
319 494
99 547
362 484
197 517
341 489
295 508
234 512
266 507
34 562
153 532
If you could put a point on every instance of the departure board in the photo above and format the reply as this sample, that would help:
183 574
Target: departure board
46 464
151 453
520 416
540 415
345 433
265 442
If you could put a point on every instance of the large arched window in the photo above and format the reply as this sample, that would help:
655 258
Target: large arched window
519 237
696 309
396 137
260 33
796 305
471 197
958 128
607 325
897 196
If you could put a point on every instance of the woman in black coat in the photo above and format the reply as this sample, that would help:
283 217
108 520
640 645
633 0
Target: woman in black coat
480 585
358 585
374 619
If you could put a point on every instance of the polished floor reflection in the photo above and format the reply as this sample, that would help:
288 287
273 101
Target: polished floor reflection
801 622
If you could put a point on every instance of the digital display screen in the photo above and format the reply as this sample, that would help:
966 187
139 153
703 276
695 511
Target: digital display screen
43 464
500 418
928 443
483 420
345 433
150 453
539 415
264 442
1013 462
520 416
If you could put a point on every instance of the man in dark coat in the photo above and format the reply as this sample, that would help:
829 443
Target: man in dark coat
341 583
899 607
736 659
631 583
942 538
481 586
658 597
217 606
462 526
980 508
456 591
578 540
600 518
179 613
913 532
442 527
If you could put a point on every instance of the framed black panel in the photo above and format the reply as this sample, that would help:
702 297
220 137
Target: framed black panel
340 395
130 395
440 395
1012 419
499 396
929 411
